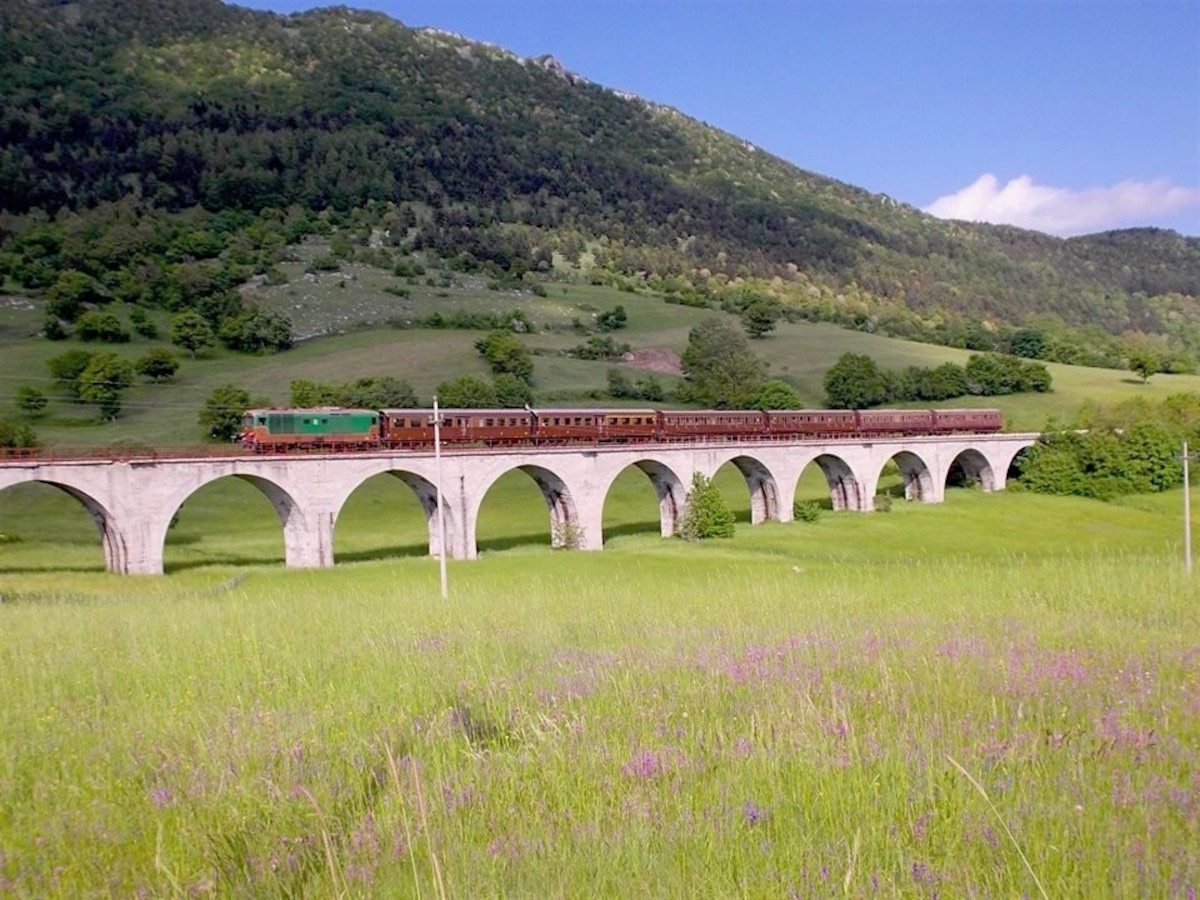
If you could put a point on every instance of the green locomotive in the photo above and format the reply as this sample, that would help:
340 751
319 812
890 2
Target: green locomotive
323 428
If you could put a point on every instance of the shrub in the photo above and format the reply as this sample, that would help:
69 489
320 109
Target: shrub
806 511
101 326
883 503
706 515
158 365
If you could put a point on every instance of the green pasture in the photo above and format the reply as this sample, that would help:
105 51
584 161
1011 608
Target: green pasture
349 309
995 696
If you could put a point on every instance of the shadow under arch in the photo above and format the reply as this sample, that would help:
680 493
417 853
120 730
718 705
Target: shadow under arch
1017 463
116 553
565 523
764 492
918 480
969 468
426 494
844 491
287 513
669 489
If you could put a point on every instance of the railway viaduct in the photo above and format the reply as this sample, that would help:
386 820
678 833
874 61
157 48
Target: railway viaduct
134 500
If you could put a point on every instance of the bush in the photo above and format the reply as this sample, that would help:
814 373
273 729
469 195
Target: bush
806 511
101 326
883 503
16 435
158 365
706 515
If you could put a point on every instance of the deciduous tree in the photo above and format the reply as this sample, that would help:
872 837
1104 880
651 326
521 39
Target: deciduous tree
721 369
191 331
159 364
466 392
103 380
222 412
854 382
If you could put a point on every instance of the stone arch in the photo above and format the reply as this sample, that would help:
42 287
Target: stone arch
975 468
764 492
668 487
426 493
298 551
918 480
566 527
116 547
844 492
1013 471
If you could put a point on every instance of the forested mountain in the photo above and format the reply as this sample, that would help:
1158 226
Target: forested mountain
164 147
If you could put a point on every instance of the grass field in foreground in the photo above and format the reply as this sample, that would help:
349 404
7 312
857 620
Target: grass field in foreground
997 696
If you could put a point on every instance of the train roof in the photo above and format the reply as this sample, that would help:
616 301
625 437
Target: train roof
591 411
277 410
451 411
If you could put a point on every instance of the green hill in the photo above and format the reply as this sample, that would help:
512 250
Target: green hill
184 154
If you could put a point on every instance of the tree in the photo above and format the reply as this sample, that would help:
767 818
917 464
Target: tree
101 326
1145 362
1028 342
760 317
66 369
159 364
103 380
777 394
257 330
191 331
854 382
73 290
466 392
382 392
721 369
943 382
504 352
706 514
512 392
30 400
223 410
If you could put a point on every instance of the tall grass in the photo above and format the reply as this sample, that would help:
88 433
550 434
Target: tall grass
864 706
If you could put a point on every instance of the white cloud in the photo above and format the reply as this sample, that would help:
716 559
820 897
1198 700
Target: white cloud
1063 211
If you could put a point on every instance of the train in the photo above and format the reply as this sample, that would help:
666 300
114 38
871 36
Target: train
339 429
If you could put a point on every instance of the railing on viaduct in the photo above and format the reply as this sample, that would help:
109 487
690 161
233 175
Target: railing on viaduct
133 498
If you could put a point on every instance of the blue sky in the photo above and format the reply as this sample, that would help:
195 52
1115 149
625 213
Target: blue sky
1066 117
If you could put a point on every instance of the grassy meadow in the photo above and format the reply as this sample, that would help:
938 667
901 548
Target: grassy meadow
995 696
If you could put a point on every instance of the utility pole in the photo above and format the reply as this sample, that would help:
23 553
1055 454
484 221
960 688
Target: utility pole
441 510
1187 514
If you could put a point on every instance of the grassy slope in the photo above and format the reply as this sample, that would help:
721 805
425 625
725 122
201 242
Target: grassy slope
351 308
